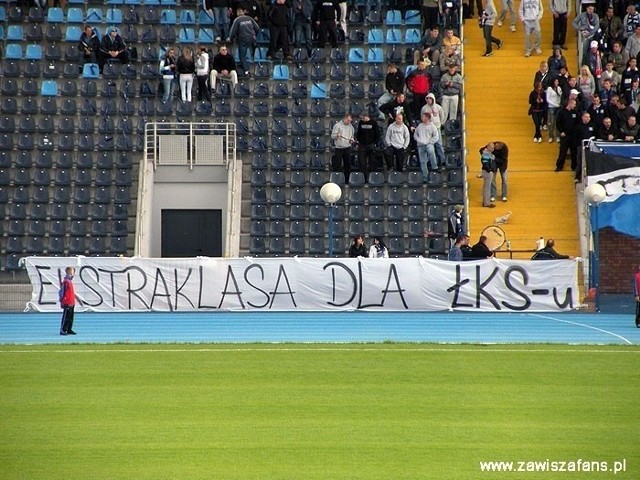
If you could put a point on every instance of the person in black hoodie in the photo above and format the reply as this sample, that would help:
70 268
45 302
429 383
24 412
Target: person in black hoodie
278 22
367 136
325 13
584 131
302 35
395 106
606 130
566 124
358 248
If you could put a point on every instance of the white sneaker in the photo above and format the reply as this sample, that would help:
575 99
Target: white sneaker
513 28
550 139
557 139
499 23
504 199
544 127
538 51
493 199
527 54
535 139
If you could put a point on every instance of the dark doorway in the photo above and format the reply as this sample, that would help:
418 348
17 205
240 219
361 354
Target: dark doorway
191 233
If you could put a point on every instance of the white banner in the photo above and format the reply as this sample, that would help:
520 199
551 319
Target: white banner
312 284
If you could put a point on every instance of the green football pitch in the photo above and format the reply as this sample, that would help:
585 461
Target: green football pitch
348 411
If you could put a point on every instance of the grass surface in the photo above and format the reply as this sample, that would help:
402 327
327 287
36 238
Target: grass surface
313 411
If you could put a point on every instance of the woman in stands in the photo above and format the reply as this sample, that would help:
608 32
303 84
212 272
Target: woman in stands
186 68
168 72
587 85
554 100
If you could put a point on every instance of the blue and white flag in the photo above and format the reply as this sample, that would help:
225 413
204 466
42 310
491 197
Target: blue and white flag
619 174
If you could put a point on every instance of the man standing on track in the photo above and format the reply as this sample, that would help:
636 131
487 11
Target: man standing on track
67 302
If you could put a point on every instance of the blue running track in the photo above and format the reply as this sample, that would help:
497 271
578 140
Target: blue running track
343 327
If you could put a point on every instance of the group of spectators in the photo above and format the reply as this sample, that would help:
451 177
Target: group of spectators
602 101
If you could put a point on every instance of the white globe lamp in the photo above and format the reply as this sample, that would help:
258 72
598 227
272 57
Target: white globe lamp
595 193
330 193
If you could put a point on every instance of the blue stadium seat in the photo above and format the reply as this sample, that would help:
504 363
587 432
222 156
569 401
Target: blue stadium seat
412 36
318 90
356 55
72 34
34 52
15 33
204 18
13 51
281 72
394 36
394 17
114 16
49 88
94 15
375 55
90 70
75 15
206 36
187 17
186 35
412 17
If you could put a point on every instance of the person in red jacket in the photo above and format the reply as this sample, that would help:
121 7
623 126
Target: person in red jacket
419 84
636 294
67 302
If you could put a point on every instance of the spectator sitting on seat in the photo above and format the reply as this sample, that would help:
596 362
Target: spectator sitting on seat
223 67
450 56
378 249
358 248
455 252
480 249
112 47
394 84
430 46
89 45
450 39
394 107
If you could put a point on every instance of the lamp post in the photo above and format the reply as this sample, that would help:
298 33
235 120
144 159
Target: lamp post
595 195
331 193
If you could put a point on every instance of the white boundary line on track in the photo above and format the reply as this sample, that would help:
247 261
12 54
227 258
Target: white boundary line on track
466 349
578 324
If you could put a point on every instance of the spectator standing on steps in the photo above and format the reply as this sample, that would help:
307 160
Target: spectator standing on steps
488 162
455 224
530 12
451 85
186 68
202 74
566 124
278 17
325 13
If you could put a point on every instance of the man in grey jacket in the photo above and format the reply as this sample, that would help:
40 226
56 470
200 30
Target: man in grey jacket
397 140
342 135
451 86
426 136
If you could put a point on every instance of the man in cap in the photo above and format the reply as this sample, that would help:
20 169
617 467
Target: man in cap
112 47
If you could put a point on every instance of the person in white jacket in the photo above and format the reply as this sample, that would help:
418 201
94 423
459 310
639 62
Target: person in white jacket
378 249
202 74
530 13
437 115
426 135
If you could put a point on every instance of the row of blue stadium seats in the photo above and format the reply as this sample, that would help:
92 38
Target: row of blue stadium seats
65 159
397 246
39 228
62 246
394 196
65 194
49 176
318 228
64 211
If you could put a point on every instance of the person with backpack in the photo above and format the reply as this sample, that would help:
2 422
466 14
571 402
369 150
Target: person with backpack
67 297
